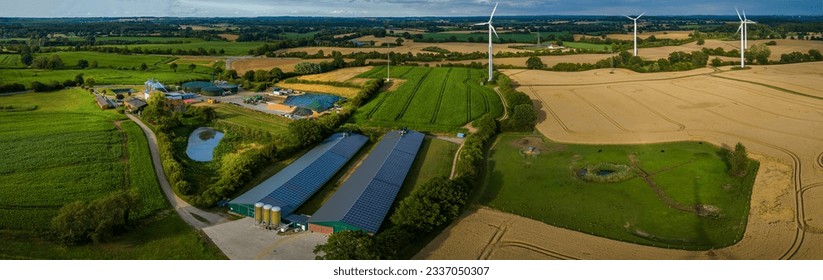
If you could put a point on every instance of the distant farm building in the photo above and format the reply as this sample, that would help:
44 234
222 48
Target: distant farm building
292 186
363 201
103 102
135 105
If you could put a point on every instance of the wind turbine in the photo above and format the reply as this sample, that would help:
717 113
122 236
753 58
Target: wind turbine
491 30
635 30
743 36
746 22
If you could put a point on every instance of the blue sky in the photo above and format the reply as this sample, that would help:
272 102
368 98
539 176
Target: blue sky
394 8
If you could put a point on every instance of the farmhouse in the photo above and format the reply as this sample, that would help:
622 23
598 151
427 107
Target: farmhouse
291 187
363 201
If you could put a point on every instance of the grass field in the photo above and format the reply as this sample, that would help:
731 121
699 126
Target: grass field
588 46
67 150
111 60
439 99
230 48
236 115
102 76
165 237
149 39
10 61
545 188
434 159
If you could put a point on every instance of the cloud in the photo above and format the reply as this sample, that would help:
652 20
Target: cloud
393 8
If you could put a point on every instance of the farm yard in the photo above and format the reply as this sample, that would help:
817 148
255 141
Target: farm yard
777 126
440 99
65 149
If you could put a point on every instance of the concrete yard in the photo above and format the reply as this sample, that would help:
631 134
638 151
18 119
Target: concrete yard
240 240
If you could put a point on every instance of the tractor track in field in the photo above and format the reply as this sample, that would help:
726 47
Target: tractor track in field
383 98
440 97
468 96
551 112
773 87
820 160
413 94
736 101
680 126
599 111
536 249
777 97
738 121
494 242
809 228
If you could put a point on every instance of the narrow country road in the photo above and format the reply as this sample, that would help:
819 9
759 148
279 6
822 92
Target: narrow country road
184 209
502 118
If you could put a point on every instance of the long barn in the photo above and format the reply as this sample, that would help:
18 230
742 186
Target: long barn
363 201
292 186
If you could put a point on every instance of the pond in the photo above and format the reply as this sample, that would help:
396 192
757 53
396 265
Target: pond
202 142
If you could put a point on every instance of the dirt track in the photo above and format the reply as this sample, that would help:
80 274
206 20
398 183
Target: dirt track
781 128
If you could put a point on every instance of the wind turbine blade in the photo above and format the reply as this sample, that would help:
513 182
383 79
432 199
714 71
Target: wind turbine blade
491 27
628 17
739 29
738 14
493 11
638 17
482 23
744 15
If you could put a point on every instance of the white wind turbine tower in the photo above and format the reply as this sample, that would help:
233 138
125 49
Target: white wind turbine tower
743 37
635 30
491 30
746 22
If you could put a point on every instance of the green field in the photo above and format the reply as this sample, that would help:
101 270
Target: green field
439 99
11 61
434 159
67 150
111 60
149 39
237 115
230 48
588 46
102 76
686 174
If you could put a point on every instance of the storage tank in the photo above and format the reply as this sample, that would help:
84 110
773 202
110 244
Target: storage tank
211 91
258 212
266 213
275 216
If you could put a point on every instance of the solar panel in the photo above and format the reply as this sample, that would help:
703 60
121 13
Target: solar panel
371 208
366 197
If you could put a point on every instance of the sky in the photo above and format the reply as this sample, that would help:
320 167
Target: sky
395 8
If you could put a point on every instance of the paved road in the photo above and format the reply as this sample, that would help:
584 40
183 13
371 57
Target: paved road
184 209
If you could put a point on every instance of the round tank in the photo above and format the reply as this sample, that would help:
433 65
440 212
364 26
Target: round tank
229 87
266 214
258 212
211 91
275 216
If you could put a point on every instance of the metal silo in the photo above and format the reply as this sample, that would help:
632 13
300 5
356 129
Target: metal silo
258 212
275 216
266 214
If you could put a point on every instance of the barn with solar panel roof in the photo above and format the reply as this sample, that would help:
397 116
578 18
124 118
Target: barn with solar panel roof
364 200
291 187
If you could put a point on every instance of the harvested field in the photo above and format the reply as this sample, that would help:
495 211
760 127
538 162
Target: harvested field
782 47
549 60
230 37
258 63
340 75
407 46
779 128
183 61
645 35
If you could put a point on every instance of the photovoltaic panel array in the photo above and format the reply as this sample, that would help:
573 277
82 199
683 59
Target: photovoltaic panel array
365 198
292 186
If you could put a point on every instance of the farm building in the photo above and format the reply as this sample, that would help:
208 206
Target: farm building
292 186
135 105
363 201
103 102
